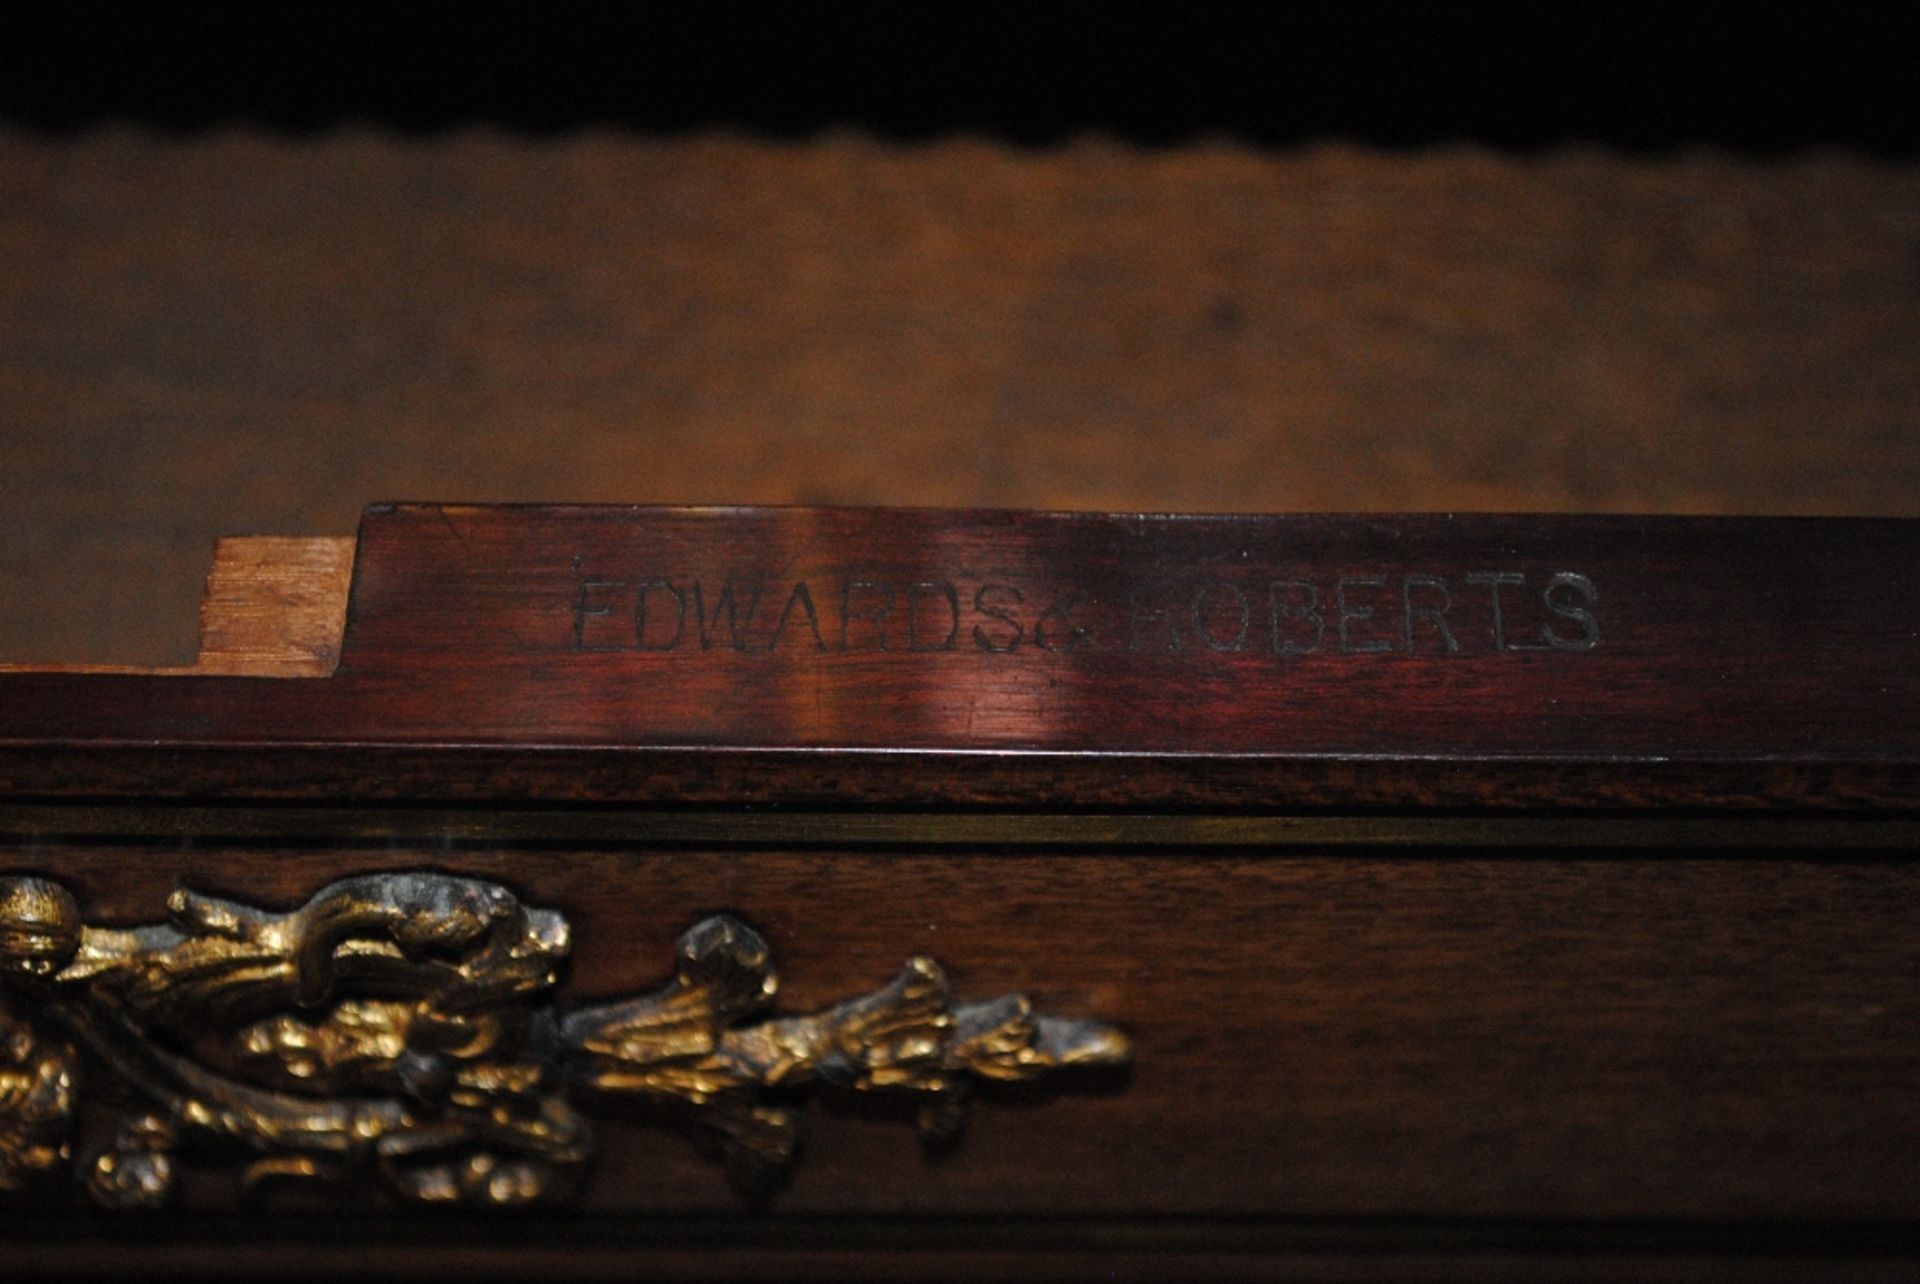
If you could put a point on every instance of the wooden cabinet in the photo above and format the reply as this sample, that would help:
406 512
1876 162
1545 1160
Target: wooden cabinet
862 893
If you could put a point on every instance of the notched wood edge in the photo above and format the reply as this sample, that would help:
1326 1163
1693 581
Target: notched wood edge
274 607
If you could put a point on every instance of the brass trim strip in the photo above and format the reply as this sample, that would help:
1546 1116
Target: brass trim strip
36 823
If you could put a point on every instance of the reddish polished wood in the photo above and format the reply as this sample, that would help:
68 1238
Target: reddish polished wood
1317 1033
921 657
1358 1058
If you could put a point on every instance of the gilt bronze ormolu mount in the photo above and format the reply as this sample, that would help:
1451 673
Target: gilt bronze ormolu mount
407 1025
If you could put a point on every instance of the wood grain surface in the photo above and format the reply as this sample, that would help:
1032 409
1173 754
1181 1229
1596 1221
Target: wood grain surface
1353 1061
928 659
239 334
1318 1034
273 607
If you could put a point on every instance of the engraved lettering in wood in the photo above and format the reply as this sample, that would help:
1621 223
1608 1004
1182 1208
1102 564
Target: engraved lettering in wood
1357 617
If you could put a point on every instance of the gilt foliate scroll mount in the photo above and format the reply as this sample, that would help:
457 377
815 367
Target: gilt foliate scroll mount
407 1026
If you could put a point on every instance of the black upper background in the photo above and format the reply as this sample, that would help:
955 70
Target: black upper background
1748 79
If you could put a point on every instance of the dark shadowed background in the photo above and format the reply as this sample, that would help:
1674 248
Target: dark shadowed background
257 269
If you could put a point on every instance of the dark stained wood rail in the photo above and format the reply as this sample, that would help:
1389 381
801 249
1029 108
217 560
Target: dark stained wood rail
1476 893
929 658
